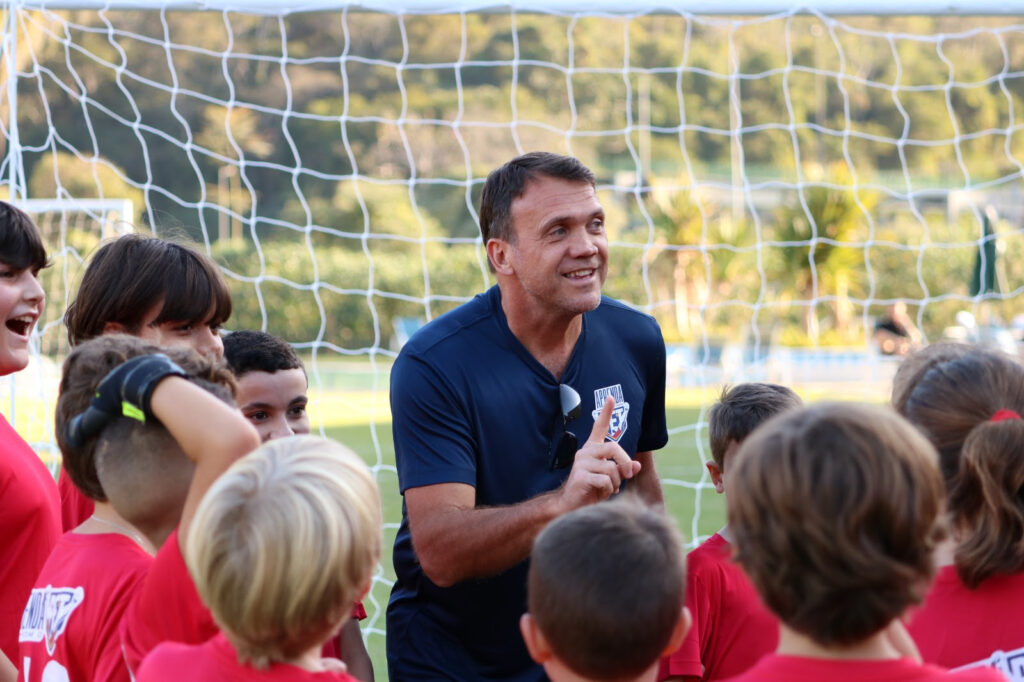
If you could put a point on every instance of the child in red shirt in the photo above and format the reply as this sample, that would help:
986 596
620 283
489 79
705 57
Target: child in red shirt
165 292
311 516
30 511
969 403
836 511
731 627
272 388
605 593
71 623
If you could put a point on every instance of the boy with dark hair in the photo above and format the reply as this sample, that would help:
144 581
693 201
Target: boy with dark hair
272 386
160 290
119 397
836 511
731 628
272 383
30 512
580 623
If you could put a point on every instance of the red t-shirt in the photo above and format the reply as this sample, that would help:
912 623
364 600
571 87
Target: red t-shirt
216 661
776 668
29 529
731 628
72 618
75 507
166 608
957 626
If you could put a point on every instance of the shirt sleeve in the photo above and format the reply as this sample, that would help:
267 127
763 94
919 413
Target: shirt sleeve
434 442
166 608
653 427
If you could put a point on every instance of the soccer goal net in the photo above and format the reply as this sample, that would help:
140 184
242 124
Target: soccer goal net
776 181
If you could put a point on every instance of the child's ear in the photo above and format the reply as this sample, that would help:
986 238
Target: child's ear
716 476
114 328
679 633
538 647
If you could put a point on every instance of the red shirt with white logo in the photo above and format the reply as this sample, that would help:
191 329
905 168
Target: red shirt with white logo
216 661
29 529
731 629
70 624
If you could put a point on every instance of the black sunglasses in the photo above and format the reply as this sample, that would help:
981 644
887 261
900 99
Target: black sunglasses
565 451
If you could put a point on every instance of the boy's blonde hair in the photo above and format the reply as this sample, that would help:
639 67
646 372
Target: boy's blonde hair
283 544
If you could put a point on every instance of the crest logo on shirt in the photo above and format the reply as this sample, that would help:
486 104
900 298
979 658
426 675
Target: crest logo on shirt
618 424
46 615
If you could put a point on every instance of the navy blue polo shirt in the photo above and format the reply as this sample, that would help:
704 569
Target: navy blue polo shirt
471 405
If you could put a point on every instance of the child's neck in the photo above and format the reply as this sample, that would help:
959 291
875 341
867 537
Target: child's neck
310 660
875 647
559 672
105 519
726 533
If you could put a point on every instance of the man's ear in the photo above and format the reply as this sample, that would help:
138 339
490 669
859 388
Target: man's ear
538 647
115 328
679 633
498 251
716 476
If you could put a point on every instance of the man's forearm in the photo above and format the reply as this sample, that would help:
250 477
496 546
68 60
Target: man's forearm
458 544
647 484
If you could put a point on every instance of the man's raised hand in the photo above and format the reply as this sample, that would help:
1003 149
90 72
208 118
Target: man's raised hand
599 467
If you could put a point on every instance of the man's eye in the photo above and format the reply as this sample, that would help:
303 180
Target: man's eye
297 411
257 416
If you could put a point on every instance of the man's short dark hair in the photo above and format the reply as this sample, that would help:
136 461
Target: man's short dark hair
505 184
21 245
248 350
578 569
133 273
741 409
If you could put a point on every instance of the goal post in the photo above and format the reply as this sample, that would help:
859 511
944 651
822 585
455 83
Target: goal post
774 179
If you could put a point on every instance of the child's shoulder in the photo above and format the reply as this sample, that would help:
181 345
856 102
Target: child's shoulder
709 555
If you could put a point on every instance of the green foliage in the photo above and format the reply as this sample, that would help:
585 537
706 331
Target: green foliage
377 130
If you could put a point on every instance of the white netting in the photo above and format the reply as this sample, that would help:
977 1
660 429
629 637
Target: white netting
773 182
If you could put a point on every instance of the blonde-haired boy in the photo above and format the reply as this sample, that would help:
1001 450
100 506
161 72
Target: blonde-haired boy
281 547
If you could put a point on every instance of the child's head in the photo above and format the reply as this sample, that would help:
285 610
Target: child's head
605 592
835 513
163 291
952 396
985 504
739 410
136 466
283 544
272 383
22 256
917 364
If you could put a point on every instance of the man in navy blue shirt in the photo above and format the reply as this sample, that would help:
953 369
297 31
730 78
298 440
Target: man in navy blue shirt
537 397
